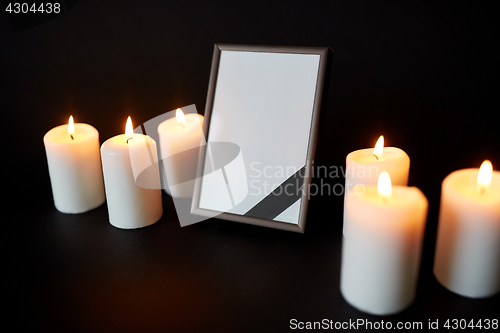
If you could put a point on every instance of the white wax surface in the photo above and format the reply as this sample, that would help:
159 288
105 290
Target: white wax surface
129 205
382 248
176 139
467 257
75 168
364 168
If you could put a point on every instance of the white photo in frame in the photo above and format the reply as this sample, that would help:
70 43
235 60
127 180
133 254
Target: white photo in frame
263 101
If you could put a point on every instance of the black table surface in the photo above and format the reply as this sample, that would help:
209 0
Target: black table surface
425 75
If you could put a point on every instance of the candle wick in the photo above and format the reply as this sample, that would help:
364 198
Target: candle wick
375 156
482 189
72 138
129 139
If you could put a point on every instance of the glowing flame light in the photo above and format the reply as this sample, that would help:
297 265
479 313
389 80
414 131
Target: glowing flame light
71 127
379 148
484 176
384 185
181 119
129 131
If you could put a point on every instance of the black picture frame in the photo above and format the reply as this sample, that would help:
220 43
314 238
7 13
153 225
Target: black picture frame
324 68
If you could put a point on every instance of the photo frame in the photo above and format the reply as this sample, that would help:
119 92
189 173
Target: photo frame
261 126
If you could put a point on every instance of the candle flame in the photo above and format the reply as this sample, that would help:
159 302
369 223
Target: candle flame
379 147
384 185
484 176
71 127
129 131
180 117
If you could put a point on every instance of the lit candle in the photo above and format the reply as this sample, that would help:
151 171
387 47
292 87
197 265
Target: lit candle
74 167
467 258
129 205
180 140
382 247
364 166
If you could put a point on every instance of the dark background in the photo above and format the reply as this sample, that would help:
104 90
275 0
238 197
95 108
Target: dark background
425 75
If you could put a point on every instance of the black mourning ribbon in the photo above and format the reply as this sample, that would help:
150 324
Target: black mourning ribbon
281 198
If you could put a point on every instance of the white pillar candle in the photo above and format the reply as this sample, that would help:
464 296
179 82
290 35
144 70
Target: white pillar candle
467 257
180 139
364 166
129 205
382 247
74 167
